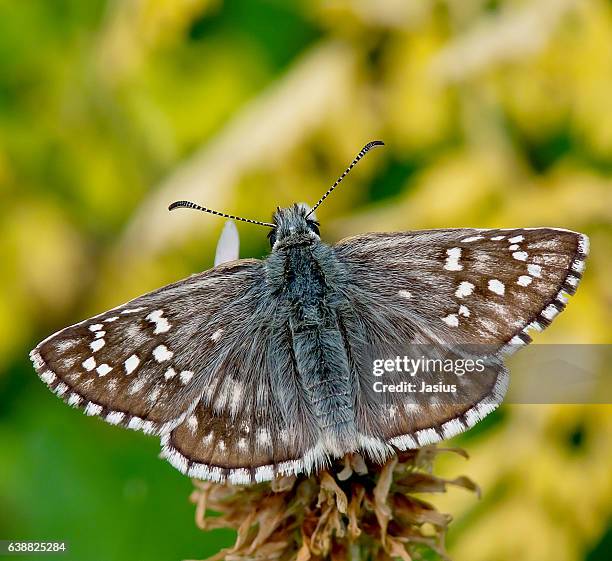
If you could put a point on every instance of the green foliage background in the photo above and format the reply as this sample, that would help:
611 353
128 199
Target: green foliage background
495 114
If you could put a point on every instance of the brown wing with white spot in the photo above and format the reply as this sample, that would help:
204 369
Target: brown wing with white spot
251 445
485 287
194 363
453 293
253 422
145 364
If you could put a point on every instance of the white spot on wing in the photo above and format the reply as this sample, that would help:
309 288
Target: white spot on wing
131 364
520 255
148 427
404 442
89 364
154 394
516 239
132 310
36 359
405 294
186 376
97 344
452 259
136 386
464 311
170 373
236 399
464 289
192 423
216 335
524 280
103 369
473 239
161 353
497 287
239 476
161 324
534 270
451 320
95 327
263 436
497 238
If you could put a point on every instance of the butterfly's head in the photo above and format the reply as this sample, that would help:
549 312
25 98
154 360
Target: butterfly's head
294 225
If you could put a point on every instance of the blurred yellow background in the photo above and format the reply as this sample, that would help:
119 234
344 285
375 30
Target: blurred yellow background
494 114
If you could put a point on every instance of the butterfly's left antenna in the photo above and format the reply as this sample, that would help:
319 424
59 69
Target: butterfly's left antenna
361 154
189 204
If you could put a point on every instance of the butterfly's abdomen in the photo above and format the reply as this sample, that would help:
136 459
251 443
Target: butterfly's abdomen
308 287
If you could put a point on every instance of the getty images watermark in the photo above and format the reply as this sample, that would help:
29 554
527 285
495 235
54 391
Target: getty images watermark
539 374
422 366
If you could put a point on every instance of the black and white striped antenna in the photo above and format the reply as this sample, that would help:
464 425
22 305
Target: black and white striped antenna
361 154
189 204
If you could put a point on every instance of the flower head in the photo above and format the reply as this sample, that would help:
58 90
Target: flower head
355 510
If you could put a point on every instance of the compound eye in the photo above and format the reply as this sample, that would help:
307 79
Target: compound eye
314 227
272 237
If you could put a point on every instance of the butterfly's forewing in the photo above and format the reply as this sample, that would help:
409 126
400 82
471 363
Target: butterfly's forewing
463 292
145 363
470 286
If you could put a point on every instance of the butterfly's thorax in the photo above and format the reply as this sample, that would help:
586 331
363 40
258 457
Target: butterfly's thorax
304 275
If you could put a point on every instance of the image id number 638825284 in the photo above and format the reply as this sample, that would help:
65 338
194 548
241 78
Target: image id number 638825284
20 547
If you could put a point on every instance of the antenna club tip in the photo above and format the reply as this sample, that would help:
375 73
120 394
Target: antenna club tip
176 204
372 144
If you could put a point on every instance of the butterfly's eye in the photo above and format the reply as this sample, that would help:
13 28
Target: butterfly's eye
314 227
272 236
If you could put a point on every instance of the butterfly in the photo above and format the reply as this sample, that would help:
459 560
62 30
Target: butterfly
260 368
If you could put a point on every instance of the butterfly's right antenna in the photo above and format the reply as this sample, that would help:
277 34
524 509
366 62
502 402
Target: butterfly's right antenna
361 154
189 204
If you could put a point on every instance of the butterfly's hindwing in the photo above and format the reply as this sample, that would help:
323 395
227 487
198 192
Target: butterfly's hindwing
253 421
